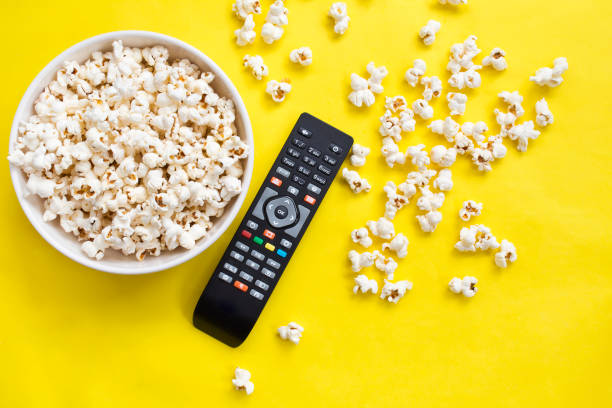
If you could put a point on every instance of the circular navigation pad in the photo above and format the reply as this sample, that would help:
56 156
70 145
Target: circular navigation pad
281 212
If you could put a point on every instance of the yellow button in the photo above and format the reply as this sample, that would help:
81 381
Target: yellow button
269 246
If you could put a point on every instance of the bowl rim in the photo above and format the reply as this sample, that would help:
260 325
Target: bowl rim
230 213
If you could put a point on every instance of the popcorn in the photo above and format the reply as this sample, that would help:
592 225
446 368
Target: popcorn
383 228
475 130
447 127
355 182
429 201
242 381
442 156
544 116
513 100
470 209
452 2
397 197
482 158
470 78
396 103
246 34
444 181
433 87
365 285
462 54
292 332
406 120
414 74
393 292
551 77
377 74
360 236
495 145
429 221
276 18
419 156
278 90
523 133
302 56
463 144
391 153
497 59
341 20
421 107
386 265
256 64
420 178
242 8
399 244
360 261
456 103
390 126
428 32
505 121
506 254
358 158
465 286
364 90
476 237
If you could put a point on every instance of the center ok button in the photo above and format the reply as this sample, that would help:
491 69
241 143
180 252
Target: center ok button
281 212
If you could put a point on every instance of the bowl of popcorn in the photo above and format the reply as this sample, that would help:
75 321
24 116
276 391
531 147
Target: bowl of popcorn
131 152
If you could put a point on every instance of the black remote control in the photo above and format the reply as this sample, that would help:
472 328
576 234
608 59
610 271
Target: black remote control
271 230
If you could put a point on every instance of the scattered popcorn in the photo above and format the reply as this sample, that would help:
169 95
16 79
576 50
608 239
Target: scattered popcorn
256 64
302 56
433 87
505 121
364 90
358 158
396 103
452 2
276 18
497 59
377 74
429 221
391 153
360 261
420 178
393 292
397 197
467 240
242 8
463 144
406 120
399 244
386 265
513 100
551 77
428 32
523 133
456 103
476 237
242 380
470 78
246 34
360 236
442 156
470 209
475 130
292 332
365 285
429 201
383 228
278 90
414 74
495 145
419 156
482 158
341 20
462 54
506 254
390 126
421 107
465 286
355 182
447 127
544 116
444 181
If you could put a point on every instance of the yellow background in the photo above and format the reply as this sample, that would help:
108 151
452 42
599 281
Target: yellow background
537 334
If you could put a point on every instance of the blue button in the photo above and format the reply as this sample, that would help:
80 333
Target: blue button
282 253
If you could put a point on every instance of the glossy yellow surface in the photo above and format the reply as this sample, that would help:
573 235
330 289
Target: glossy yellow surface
537 334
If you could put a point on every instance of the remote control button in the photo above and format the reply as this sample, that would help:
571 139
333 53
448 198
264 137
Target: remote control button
299 180
267 193
237 256
293 153
329 160
241 286
277 182
287 162
305 132
246 276
292 190
313 188
257 255
252 264
241 246
262 285
269 234
282 253
252 225
283 171
295 230
269 246
268 273
309 200
258 240
273 263
335 148
324 170
230 267
246 234
225 277
281 212
314 152
256 294
319 179
309 160
299 143
304 170
285 243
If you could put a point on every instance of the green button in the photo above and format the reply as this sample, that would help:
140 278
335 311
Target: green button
257 240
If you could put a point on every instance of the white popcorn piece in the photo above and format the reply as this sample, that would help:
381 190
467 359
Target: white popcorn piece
505 121
242 8
428 32
463 144
355 182
302 56
429 201
358 156
462 54
514 101
447 127
406 120
278 90
360 261
506 254
466 286
544 116
363 90
337 11
433 87
365 285
495 145
395 104
276 18
377 74
242 381
360 236
397 197
256 65
391 153
421 107
475 237
444 181
452 2
429 222
456 103
420 178
467 240
414 74
482 158
386 265
383 228
419 156
390 126
466 79
246 34
394 291
292 332
551 77
523 133
497 59
470 209
475 130
399 245
442 156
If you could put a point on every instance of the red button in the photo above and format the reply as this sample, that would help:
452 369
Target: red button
309 199
276 182
246 234
240 286
269 234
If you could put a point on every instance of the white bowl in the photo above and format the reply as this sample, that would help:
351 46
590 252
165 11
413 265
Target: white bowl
114 261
